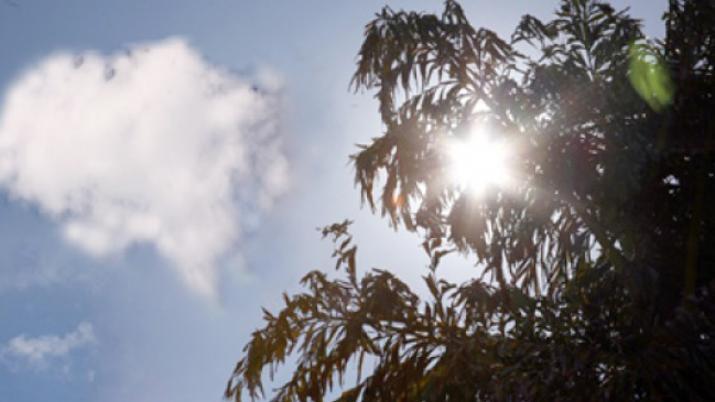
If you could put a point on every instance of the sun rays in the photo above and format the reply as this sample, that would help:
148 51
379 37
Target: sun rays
478 162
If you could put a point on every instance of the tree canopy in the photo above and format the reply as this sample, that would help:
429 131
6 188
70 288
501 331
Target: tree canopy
597 256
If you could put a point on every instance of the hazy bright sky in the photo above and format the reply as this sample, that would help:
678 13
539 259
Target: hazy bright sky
163 167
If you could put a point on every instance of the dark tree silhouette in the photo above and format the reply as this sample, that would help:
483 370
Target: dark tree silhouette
598 260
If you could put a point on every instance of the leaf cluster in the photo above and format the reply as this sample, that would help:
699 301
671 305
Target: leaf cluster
476 342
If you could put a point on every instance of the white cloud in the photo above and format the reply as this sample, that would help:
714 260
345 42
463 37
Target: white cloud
40 351
152 145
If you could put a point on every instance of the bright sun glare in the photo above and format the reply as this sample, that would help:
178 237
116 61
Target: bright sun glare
478 162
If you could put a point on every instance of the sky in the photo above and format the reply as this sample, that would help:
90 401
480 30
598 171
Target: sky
163 168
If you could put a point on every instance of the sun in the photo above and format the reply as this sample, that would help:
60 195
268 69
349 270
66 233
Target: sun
478 162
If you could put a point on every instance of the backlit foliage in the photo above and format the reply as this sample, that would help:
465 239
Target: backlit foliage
597 261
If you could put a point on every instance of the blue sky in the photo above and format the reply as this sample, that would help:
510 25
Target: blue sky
94 309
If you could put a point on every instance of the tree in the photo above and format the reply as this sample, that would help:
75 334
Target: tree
598 271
